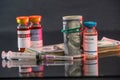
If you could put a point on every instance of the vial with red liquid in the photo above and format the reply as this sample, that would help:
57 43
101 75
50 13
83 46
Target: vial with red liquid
36 31
90 40
23 33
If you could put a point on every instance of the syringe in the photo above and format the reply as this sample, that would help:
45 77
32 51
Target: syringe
19 55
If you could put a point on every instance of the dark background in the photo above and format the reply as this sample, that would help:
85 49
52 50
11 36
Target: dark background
105 12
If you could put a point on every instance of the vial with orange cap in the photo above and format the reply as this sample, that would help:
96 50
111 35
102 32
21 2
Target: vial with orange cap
23 33
36 31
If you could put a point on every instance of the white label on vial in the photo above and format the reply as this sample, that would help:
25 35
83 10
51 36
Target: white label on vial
90 43
24 39
36 38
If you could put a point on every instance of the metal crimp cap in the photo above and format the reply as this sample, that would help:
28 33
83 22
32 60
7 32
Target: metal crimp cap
22 19
73 17
35 18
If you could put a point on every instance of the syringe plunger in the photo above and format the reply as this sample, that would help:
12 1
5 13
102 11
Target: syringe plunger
18 55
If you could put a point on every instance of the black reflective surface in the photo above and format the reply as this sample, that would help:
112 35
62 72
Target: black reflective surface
106 66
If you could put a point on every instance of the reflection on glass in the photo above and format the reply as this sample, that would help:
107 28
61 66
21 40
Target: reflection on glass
17 63
57 63
90 68
27 68
32 68
33 63
31 71
75 69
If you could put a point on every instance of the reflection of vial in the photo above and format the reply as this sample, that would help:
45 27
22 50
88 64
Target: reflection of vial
23 71
31 71
36 31
90 68
23 33
90 39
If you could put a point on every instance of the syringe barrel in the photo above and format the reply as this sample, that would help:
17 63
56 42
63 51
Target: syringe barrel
52 57
20 55
63 58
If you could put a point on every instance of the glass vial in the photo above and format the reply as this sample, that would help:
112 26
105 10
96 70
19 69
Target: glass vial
72 33
23 33
90 39
36 31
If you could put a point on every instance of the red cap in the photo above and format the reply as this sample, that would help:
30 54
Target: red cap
35 18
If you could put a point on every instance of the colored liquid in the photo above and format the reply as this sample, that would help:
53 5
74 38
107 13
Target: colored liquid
23 39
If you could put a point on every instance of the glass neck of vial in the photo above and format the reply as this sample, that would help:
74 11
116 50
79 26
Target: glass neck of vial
23 24
35 24
89 30
91 27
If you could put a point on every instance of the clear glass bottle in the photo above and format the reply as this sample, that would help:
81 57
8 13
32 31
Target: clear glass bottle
36 31
72 34
90 40
23 33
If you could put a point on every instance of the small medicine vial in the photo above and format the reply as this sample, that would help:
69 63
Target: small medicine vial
23 33
90 40
36 31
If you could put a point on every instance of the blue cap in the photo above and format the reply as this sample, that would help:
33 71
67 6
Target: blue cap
89 24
